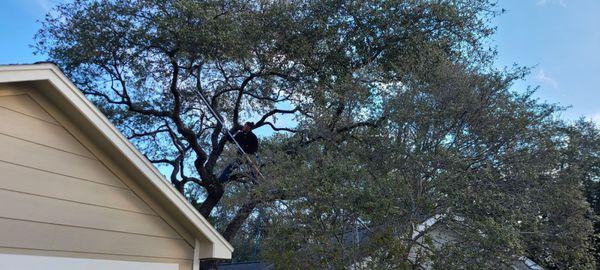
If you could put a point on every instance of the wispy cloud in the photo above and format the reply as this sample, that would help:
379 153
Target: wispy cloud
562 3
546 80
595 118
46 5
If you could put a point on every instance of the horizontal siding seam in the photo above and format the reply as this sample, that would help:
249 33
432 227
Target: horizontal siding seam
98 253
28 115
91 228
84 203
48 146
114 170
118 176
124 187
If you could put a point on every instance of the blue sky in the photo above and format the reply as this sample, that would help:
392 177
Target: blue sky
560 39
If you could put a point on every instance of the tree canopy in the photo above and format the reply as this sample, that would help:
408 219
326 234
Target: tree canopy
399 116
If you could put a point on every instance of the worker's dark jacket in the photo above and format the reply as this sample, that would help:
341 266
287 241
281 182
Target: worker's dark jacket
247 141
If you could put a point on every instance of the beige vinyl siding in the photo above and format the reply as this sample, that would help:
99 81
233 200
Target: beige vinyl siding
24 206
25 127
14 99
79 190
32 262
46 158
44 236
56 196
183 264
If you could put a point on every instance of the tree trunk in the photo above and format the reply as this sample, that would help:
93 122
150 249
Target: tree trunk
215 193
234 226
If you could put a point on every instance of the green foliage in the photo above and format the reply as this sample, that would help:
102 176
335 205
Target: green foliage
507 178
401 119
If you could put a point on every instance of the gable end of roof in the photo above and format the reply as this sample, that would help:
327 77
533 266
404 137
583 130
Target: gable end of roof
105 130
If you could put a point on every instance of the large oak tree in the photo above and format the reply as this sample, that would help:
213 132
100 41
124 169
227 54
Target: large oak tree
147 62
374 87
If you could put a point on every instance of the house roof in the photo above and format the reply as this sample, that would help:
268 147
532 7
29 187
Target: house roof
245 266
61 91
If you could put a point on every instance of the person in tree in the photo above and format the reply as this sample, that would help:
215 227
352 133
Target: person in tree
249 144
247 139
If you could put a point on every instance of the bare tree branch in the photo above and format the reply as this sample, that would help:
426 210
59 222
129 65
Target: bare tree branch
273 127
159 130
262 120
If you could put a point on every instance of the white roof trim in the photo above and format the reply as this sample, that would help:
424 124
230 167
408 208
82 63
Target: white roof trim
50 72
428 223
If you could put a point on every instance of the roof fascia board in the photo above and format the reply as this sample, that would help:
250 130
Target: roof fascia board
51 73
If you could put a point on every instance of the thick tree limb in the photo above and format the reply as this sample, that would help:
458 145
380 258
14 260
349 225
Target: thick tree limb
262 120
236 110
240 217
190 136
160 129
273 127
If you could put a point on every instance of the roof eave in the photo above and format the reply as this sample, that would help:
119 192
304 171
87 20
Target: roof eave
106 130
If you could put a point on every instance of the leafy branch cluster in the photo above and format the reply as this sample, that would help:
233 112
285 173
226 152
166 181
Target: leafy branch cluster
399 117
